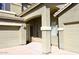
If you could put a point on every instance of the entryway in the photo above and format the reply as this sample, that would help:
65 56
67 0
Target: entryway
34 29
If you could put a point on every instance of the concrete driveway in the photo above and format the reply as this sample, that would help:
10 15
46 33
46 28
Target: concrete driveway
33 48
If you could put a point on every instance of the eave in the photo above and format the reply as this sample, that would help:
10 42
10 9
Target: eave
62 9
11 18
33 6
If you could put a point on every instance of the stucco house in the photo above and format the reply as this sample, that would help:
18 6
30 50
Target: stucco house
49 23
10 25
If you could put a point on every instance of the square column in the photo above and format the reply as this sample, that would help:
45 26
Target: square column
46 31
28 38
22 32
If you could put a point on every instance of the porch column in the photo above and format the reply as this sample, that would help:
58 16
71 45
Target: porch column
28 38
46 30
23 34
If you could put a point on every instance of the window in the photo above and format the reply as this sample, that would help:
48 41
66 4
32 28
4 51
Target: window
1 6
25 6
5 6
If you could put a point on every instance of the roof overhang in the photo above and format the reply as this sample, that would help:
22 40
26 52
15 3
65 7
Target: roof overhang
62 9
7 15
55 14
29 9
11 18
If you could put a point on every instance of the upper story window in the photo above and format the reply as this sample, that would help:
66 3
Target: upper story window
5 6
1 6
26 6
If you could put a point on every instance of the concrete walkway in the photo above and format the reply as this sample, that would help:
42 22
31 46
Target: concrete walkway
33 48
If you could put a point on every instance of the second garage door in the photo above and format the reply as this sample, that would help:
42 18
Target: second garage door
71 37
9 36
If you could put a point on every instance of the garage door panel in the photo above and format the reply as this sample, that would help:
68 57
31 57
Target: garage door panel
71 37
9 36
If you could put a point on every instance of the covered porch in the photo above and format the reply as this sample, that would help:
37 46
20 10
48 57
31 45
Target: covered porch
33 30
43 27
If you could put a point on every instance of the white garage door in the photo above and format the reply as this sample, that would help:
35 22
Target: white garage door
71 37
9 36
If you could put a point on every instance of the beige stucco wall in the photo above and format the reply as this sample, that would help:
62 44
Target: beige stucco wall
32 15
16 7
69 36
7 13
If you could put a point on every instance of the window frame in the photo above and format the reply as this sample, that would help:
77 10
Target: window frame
4 7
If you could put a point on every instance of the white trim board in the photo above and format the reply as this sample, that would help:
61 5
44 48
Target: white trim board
8 12
62 9
10 24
